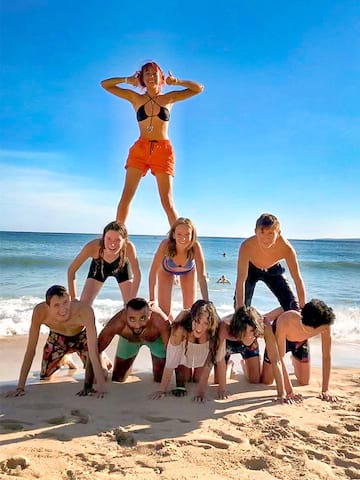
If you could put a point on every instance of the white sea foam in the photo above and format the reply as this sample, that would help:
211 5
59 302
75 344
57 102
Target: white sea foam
15 316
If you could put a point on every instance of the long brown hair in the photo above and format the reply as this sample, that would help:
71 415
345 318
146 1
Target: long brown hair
171 247
115 227
199 307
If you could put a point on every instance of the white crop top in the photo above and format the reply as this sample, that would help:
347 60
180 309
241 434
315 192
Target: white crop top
195 356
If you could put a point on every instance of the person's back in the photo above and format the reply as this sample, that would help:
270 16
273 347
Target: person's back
292 330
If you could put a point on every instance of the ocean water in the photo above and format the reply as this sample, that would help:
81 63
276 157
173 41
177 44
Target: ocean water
31 262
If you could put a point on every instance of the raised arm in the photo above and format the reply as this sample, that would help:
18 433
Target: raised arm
191 88
90 250
156 263
111 85
294 270
134 262
200 270
29 353
242 273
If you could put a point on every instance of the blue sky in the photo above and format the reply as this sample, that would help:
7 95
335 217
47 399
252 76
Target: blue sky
276 128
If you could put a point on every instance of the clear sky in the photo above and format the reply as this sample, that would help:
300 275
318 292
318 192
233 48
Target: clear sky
276 129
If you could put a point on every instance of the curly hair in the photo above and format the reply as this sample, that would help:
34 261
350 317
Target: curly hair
115 227
171 237
316 313
243 317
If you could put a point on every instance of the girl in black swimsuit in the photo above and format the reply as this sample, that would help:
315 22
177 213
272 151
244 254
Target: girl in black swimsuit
153 149
112 255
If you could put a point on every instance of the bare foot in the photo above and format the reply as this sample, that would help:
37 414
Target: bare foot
67 361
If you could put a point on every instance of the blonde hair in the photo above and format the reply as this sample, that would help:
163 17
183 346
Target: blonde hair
267 220
171 247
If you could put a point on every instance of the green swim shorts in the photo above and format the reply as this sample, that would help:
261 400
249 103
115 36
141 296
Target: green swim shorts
126 349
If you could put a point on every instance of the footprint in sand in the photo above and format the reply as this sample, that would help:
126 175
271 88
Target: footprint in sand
14 463
13 425
317 455
230 438
348 454
330 429
123 437
76 416
352 427
341 462
353 474
256 463
208 442
149 418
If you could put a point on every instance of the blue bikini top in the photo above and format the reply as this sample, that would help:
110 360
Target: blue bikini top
170 266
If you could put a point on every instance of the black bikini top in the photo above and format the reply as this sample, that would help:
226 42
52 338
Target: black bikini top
163 114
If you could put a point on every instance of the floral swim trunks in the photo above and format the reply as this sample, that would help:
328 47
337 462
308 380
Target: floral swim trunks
57 346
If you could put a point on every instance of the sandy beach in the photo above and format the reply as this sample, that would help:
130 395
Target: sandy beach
50 433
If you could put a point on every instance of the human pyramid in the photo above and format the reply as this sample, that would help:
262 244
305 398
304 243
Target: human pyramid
196 340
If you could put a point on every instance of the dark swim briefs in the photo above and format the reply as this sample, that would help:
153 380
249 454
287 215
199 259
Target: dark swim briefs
101 270
275 280
300 350
57 346
246 351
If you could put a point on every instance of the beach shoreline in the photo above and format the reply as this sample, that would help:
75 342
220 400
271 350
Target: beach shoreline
344 355
51 433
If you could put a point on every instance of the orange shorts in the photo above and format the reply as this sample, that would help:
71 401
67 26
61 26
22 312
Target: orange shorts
156 155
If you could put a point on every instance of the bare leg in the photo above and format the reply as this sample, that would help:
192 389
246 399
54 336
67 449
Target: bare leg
197 374
158 367
165 284
251 368
91 289
183 375
188 286
267 374
67 361
125 289
301 370
165 188
122 368
132 179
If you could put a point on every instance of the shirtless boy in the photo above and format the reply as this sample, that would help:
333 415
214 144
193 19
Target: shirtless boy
259 258
292 329
72 329
137 324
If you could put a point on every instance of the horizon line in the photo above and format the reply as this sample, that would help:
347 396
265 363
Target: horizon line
160 235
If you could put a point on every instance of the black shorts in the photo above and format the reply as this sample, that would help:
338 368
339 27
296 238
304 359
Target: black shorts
100 271
300 350
246 351
275 280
